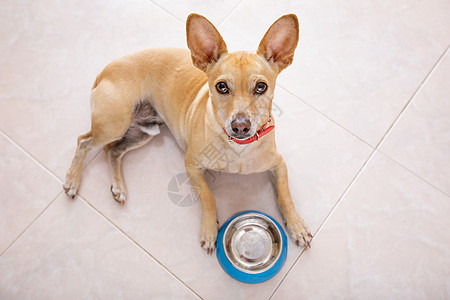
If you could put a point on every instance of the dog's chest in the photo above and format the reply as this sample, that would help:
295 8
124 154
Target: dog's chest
232 158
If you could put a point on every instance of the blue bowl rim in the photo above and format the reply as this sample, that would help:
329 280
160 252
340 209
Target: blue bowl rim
239 275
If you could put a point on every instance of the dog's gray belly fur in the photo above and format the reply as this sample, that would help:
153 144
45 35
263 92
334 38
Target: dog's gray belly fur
145 123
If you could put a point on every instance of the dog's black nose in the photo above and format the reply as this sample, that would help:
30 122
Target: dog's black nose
241 124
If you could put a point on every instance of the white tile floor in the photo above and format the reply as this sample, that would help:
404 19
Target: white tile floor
363 121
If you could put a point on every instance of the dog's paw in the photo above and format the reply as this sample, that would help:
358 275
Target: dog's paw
71 186
298 230
119 193
208 235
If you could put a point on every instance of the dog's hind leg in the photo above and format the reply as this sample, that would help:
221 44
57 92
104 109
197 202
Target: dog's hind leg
110 120
143 128
73 177
115 151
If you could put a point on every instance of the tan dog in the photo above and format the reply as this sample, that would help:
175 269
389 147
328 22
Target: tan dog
210 99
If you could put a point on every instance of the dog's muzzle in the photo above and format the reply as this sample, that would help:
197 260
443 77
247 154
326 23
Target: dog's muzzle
265 129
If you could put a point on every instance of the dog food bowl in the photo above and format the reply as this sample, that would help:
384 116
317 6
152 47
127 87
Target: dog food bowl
251 247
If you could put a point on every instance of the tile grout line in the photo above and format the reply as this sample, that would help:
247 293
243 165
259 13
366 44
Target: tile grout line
375 150
183 22
412 173
109 221
20 148
327 217
166 11
92 159
325 116
413 96
31 223
230 13
41 165
285 275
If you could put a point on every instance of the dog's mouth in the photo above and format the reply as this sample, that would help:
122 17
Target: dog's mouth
251 135
241 137
238 136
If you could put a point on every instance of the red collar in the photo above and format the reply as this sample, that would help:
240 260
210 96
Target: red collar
260 133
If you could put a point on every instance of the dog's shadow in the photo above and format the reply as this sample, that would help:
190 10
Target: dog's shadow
233 192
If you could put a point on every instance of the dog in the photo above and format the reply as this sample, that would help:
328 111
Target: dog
209 99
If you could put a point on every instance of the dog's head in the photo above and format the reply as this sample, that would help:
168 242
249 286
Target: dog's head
242 84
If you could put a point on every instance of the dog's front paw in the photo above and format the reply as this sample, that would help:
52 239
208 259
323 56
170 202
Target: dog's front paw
298 230
208 234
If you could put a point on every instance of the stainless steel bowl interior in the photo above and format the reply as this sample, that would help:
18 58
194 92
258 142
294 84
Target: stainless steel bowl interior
252 243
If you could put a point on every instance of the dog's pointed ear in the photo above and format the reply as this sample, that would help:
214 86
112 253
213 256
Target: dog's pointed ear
279 42
204 41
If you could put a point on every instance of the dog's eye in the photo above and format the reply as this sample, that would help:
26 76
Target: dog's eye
260 88
222 87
